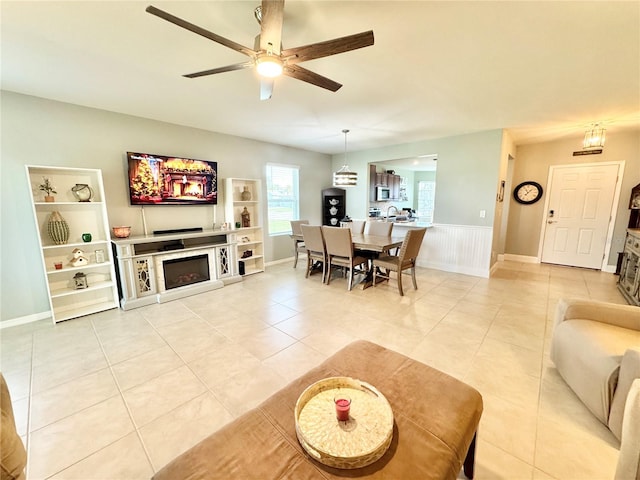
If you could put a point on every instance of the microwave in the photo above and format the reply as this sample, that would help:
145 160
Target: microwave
383 194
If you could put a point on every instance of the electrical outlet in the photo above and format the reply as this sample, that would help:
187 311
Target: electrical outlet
483 213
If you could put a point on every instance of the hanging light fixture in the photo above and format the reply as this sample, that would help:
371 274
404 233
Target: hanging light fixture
344 177
594 137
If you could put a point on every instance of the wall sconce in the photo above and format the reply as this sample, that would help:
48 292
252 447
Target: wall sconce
344 177
594 137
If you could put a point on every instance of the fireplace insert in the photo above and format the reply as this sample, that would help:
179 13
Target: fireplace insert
179 272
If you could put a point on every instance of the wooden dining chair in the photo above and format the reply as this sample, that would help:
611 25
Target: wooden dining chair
340 252
315 248
378 228
375 228
298 245
405 260
357 226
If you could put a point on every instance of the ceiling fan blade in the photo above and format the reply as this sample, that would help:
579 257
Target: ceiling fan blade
266 88
271 25
328 47
228 68
200 31
300 73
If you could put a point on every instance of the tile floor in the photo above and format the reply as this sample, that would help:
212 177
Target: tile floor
117 395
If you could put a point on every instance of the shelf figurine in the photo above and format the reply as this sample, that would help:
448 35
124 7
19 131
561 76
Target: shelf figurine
79 259
80 280
246 217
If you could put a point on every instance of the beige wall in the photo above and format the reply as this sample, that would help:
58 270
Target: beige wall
468 169
532 162
44 132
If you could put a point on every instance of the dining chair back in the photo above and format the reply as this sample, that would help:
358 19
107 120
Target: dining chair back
315 248
340 252
379 228
405 260
295 226
357 226
298 245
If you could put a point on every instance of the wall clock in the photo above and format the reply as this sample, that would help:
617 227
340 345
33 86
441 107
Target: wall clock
527 193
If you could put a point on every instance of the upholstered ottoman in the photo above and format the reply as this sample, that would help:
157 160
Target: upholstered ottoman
436 417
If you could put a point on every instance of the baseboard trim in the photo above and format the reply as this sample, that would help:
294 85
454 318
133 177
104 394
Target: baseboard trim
34 317
302 258
520 258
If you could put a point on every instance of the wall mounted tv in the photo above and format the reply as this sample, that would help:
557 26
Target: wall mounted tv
160 180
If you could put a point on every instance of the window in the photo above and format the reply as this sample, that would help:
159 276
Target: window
282 198
426 196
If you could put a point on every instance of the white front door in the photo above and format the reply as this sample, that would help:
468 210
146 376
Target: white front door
578 214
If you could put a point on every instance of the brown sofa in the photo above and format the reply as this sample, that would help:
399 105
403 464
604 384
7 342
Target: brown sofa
13 457
435 423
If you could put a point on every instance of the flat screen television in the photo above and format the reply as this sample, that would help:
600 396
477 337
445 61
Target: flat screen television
161 180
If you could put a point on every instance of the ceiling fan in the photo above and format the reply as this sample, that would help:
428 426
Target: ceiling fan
267 55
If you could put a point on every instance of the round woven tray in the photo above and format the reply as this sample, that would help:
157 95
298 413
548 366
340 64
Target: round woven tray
356 443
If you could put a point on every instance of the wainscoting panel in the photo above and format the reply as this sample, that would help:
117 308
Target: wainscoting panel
457 248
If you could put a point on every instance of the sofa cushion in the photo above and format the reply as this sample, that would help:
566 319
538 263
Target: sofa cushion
629 371
629 461
587 354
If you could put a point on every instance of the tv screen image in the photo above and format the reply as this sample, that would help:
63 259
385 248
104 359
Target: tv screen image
162 180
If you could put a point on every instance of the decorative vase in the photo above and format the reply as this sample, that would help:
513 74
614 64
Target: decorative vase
245 195
58 228
49 198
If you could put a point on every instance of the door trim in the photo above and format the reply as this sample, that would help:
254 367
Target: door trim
614 206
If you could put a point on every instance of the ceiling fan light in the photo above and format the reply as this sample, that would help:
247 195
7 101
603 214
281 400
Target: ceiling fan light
269 66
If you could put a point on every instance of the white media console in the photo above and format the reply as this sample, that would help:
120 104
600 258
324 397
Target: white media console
159 268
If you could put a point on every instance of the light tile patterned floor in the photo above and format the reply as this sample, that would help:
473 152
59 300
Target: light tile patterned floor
118 394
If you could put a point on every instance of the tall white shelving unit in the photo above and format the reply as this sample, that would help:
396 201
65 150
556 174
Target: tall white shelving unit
249 239
67 301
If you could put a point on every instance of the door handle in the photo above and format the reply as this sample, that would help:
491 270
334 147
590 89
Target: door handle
552 221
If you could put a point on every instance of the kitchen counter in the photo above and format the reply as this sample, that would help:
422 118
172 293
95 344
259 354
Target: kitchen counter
412 224
415 223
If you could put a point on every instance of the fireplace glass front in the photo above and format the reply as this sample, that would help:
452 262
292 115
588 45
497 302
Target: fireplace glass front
179 272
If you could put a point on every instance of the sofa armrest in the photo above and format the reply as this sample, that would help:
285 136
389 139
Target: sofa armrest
13 457
625 316
629 372
628 467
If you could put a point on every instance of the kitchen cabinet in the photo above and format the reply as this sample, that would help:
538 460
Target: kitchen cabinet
394 187
372 183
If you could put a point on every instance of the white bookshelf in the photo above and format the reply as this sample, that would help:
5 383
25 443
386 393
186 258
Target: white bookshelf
65 300
249 239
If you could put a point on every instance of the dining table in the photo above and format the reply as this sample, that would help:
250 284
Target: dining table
363 241
371 243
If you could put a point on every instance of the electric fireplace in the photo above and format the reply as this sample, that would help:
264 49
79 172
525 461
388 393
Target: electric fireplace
179 272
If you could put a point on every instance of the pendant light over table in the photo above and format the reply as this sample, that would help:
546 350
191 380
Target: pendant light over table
345 177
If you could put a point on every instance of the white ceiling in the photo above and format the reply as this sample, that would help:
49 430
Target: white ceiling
542 70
